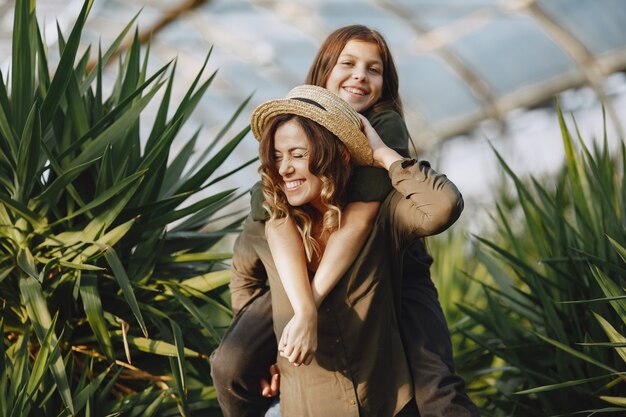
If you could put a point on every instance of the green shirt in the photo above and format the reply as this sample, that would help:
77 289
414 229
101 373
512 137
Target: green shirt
366 183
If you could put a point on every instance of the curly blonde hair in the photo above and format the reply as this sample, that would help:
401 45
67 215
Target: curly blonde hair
327 161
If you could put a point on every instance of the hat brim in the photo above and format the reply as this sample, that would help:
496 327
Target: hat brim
341 125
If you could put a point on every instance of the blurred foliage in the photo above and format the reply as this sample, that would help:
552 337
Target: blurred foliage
537 306
111 296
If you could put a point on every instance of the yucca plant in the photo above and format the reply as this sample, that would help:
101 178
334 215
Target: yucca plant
106 310
554 318
457 274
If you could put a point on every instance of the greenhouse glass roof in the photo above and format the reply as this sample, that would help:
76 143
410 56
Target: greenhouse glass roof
460 61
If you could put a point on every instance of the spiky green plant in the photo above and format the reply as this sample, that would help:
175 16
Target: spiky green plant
554 318
105 309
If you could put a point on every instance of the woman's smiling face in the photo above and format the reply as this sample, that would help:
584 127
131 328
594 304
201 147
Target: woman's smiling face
291 156
357 76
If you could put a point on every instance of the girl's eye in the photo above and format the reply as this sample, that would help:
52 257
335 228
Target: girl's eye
298 155
374 70
346 63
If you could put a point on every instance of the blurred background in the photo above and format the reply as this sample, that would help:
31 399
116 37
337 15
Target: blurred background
472 72
531 279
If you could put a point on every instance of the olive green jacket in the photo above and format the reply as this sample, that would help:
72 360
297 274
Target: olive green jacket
360 368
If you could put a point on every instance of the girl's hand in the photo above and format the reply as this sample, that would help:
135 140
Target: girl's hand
298 343
383 155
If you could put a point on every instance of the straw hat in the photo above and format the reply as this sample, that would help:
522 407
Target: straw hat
323 107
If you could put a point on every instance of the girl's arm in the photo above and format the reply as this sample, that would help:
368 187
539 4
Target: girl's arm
298 342
343 246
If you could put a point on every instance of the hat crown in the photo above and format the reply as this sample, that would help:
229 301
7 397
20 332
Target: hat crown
323 107
328 100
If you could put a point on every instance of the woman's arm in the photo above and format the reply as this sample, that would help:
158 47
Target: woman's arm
249 277
432 203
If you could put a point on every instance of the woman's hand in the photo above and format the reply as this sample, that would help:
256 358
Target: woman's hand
270 387
383 155
298 342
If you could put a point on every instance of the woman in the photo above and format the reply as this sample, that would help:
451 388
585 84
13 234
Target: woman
306 143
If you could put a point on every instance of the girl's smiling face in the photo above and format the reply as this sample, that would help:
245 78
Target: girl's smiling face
357 76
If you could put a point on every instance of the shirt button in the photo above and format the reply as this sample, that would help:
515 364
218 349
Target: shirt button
337 340
352 402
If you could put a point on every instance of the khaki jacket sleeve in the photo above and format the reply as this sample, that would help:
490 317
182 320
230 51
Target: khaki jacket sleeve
427 202
249 277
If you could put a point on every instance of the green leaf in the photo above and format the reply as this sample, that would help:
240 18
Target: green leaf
207 170
221 133
158 347
64 70
195 312
175 169
561 385
131 182
23 59
576 353
90 295
614 335
127 290
33 299
22 210
115 132
26 262
167 218
159 125
76 107
28 155
179 366
90 390
206 282
104 60
52 192
47 351
197 257
612 290
614 400
619 248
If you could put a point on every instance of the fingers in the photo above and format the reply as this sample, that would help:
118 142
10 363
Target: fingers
275 380
266 388
295 358
271 388
287 350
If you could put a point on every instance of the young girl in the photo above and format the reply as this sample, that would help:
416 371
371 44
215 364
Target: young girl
355 63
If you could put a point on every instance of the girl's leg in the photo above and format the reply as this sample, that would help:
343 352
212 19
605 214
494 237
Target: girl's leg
243 358
438 390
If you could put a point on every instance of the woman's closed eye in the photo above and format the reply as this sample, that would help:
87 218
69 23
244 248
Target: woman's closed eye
278 157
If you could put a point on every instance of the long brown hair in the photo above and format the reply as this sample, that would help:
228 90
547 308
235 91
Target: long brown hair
327 161
330 50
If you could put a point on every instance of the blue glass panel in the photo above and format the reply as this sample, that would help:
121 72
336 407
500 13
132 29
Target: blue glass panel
599 24
338 14
432 14
511 52
437 92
